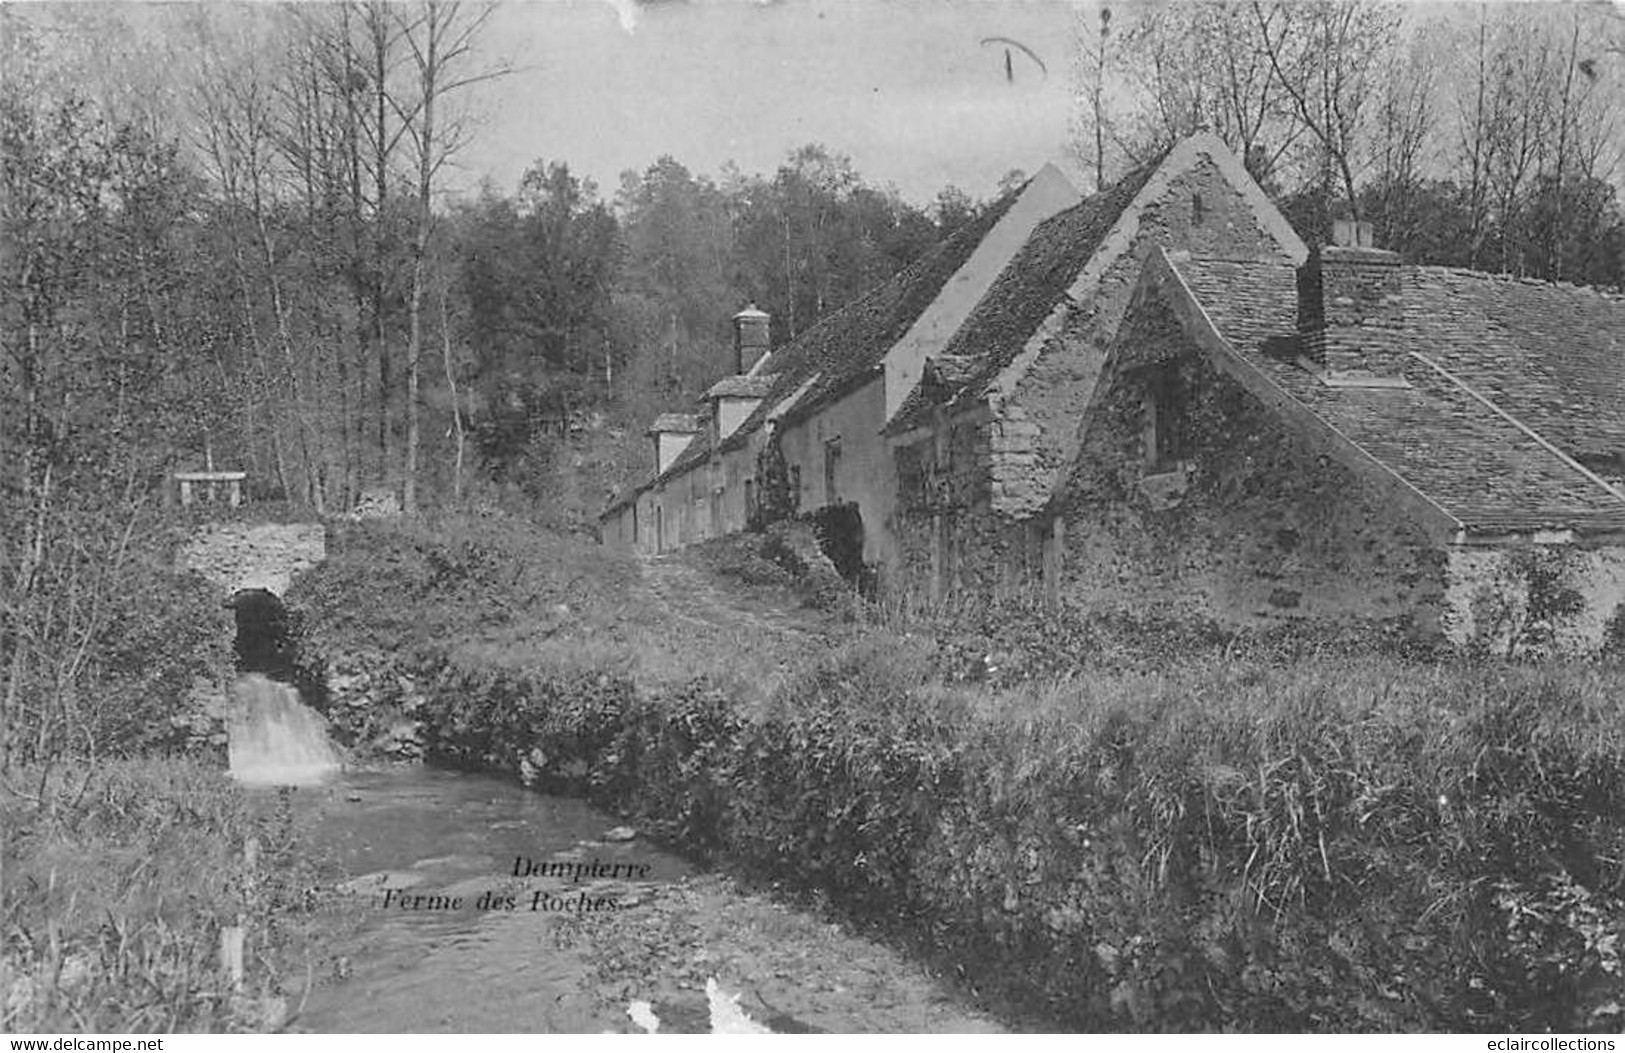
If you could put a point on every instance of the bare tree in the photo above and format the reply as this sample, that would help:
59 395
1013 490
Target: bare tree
1404 130
1326 57
441 40
1201 65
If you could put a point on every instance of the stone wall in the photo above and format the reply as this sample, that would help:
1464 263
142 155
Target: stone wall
238 556
949 538
1048 387
863 473
992 475
1535 598
1246 525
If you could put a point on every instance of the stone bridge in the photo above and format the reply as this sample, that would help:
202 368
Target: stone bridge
254 556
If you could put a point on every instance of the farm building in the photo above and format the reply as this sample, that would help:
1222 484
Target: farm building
1159 396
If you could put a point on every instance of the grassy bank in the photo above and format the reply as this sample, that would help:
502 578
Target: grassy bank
1180 831
118 886
1344 845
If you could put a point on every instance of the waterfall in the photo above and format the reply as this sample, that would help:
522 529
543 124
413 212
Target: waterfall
273 738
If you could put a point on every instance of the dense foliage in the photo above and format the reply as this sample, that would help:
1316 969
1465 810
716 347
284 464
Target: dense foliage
119 882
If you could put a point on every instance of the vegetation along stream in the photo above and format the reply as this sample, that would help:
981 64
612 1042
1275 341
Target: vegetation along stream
491 908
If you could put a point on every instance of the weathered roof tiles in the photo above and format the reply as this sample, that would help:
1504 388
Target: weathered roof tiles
1475 432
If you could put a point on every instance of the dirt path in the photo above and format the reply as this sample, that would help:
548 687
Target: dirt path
792 972
698 625
686 593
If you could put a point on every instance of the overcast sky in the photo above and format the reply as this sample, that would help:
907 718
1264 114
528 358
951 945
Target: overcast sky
907 88
918 93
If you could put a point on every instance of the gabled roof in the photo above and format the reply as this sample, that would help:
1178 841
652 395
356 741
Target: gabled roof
846 349
1483 439
842 351
1028 289
1060 267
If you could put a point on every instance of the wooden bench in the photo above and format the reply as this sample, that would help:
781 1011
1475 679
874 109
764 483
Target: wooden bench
233 482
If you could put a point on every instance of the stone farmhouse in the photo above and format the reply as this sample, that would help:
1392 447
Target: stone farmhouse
1158 397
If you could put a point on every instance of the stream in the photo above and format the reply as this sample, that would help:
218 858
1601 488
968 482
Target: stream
490 908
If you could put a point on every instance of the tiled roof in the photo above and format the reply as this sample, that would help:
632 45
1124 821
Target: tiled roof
674 423
847 348
1027 291
951 370
1482 355
742 387
1556 352
844 349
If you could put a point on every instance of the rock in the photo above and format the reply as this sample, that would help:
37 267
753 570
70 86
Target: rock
457 862
381 881
643 1015
76 971
620 833
376 503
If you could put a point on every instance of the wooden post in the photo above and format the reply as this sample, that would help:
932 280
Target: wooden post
231 953
1053 565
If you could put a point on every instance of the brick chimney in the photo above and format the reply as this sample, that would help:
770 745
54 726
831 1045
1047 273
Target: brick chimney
1347 289
751 338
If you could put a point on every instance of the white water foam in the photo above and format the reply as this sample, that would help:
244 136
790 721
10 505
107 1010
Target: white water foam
273 739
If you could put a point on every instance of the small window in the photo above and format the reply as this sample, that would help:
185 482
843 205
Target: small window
1198 210
832 462
1160 415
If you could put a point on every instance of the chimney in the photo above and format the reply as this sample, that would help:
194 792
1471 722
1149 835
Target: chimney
751 338
1345 288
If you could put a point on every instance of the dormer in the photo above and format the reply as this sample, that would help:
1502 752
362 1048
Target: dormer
734 399
671 432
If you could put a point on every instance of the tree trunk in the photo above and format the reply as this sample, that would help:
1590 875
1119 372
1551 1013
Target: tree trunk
420 245
456 402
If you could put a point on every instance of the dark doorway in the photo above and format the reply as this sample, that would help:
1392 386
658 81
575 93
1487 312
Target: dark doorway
839 529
